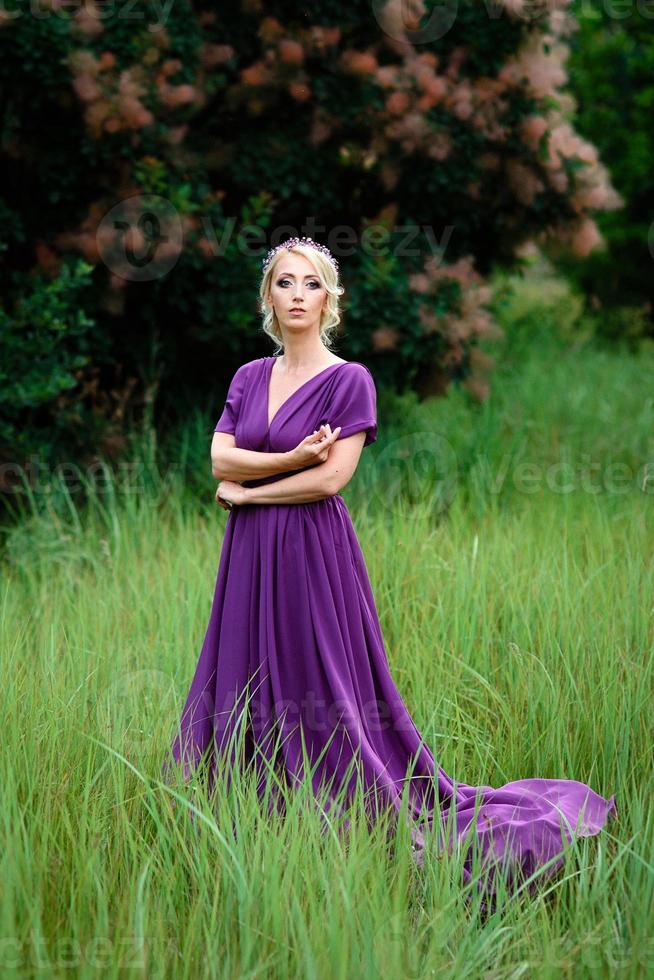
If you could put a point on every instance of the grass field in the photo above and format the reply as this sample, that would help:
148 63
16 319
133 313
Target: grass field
509 546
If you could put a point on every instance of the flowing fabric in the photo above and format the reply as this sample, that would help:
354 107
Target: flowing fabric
294 634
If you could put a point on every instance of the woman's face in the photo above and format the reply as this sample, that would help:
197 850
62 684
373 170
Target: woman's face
296 284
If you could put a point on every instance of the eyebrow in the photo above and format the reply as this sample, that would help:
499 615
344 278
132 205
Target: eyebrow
310 275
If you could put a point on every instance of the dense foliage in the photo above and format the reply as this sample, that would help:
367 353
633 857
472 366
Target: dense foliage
612 78
170 154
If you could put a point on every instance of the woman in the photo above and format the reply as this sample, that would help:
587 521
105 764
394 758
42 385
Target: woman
294 646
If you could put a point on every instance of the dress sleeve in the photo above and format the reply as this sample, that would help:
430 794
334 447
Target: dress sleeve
229 418
353 405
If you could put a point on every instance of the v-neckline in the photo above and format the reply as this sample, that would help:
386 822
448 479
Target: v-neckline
268 376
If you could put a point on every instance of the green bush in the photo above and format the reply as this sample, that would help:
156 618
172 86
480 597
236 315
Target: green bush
611 77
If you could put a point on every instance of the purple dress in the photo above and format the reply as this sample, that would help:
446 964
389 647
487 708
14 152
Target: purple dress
294 635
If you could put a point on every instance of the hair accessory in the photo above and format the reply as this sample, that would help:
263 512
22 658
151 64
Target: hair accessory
299 241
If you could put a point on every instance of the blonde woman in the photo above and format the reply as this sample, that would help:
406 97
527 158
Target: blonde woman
294 651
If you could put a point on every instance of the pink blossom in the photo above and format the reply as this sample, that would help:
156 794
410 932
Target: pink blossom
320 38
181 95
107 60
299 91
204 246
171 66
532 129
419 282
384 338
478 387
270 30
87 19
543 70
215 54
428 318
397 103
460 100
84 63
457 58
586 237
440 146
359 62
290 52
558 180
47 258
128 86
95 116
86 88
176 134
387 76
320 131
522 181
256 74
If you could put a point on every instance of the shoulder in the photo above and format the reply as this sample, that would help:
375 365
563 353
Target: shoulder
252 365
354 367
243 372
352 384
355 371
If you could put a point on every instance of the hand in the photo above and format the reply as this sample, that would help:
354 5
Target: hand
229 493
315 448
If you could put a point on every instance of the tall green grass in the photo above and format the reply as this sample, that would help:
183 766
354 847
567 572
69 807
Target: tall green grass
509 546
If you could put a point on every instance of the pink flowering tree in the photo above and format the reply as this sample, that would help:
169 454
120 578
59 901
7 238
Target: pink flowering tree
423 152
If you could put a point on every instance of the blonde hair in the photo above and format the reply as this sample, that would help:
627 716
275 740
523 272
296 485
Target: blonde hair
330 316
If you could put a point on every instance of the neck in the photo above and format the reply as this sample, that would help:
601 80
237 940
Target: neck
301 355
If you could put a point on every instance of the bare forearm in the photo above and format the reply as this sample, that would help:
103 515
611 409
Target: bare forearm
247 464
314 483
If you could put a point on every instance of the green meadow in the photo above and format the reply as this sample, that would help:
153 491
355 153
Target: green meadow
509 544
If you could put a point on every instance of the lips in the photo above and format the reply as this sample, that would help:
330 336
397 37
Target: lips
297 309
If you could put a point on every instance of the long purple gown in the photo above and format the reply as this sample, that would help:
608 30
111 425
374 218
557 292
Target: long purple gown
294 634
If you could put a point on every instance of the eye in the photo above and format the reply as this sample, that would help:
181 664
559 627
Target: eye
314 282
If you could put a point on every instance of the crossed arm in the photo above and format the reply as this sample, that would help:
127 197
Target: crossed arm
315 482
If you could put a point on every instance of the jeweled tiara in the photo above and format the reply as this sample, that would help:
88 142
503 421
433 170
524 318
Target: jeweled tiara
298 241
